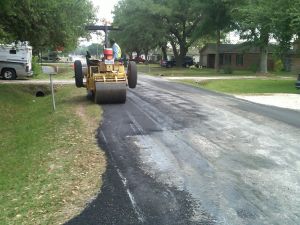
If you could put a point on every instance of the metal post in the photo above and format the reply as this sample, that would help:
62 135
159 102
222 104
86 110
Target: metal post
106 37
97 51
52 92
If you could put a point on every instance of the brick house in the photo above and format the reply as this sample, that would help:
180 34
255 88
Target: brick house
237 56
292 60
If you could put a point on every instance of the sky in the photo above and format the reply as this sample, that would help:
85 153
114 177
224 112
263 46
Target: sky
105 7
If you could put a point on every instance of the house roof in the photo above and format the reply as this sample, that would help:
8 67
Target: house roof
233 48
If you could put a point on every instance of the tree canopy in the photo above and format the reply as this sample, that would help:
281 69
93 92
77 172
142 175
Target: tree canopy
180 24
261 20
139 29
217 17
151 23
45 24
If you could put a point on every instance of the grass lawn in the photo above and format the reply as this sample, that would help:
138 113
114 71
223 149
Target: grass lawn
157 70
65 72
248 86
50 164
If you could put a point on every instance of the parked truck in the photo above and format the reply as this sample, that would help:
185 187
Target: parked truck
15 61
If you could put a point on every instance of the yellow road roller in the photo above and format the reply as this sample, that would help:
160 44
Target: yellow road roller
106 80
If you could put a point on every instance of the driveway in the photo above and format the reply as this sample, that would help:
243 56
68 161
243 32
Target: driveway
182 155
288 101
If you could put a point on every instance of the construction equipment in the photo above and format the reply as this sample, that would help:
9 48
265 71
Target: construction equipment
105 80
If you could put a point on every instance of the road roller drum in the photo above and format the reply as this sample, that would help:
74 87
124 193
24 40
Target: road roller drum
110 93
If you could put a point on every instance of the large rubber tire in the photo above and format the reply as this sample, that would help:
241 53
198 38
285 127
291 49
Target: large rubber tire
9 74
132 74
78 74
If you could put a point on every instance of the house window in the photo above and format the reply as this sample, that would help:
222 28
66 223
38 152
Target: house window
13 51
239 59
227 59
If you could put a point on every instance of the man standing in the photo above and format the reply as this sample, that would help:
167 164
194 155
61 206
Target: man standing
116 49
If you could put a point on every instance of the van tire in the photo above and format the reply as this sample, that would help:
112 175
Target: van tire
9 74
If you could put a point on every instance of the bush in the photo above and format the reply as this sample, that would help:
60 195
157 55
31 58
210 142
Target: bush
36 67
228 70
254 67
278 66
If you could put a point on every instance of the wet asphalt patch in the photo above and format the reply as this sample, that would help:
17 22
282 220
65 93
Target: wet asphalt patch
136 199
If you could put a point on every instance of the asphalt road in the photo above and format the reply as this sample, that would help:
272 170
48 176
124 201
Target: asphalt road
181 155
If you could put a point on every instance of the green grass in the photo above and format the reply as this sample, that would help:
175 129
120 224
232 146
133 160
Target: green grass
65 72
248 86
157 70
42 157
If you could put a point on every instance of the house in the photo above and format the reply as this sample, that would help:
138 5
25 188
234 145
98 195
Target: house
237 56
292 60
294 63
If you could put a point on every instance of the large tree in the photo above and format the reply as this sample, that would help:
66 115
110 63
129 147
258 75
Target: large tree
260 20
152 23
254 20
5 11
217 18
182 20
294 12
282 27
45 24
138 31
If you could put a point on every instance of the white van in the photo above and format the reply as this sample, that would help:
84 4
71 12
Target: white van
15 61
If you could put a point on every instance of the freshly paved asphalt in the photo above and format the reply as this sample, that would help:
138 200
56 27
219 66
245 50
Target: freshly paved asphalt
181 155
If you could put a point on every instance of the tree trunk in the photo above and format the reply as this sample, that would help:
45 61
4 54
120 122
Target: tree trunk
138 54
217 58
175 52
164 52
264 60
180 61
146 56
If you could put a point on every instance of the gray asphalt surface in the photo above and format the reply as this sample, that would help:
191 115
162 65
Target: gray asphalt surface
181 155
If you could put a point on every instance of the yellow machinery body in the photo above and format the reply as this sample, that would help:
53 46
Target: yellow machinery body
105 73
106 81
